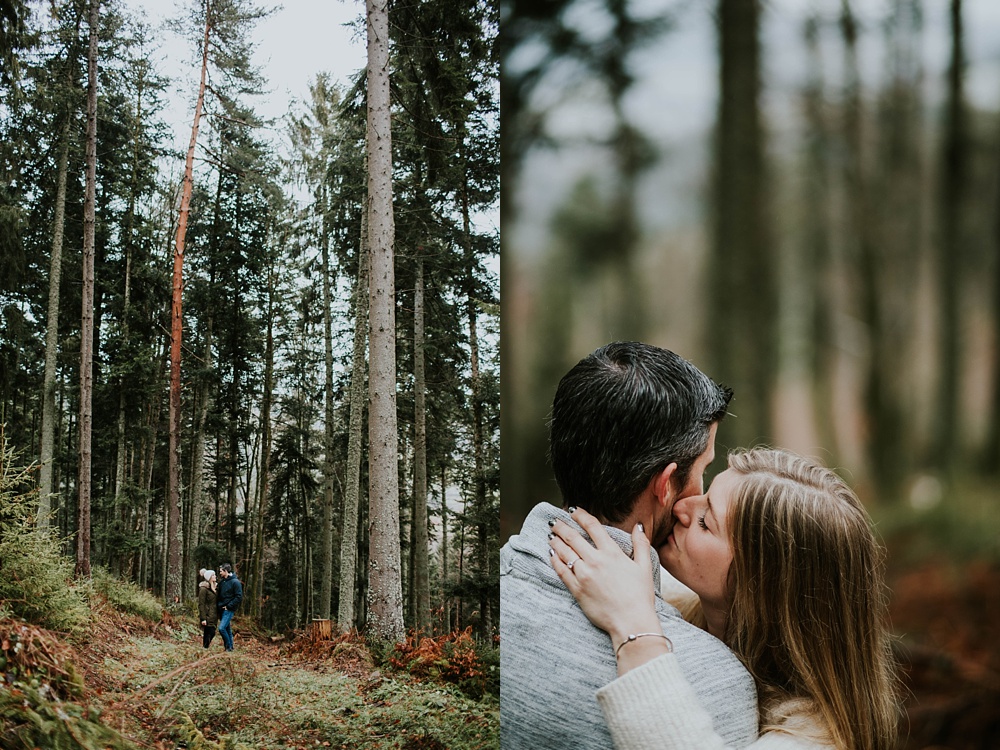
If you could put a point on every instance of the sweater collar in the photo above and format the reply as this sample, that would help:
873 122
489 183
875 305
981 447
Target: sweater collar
533 539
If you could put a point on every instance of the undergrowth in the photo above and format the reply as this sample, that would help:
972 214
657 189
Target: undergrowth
36 580
453 658
127 596
43 703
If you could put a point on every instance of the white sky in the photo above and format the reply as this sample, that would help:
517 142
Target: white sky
300 39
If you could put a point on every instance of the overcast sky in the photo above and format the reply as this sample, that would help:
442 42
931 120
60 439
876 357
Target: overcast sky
300 39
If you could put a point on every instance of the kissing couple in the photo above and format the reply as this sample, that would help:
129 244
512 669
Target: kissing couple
649 612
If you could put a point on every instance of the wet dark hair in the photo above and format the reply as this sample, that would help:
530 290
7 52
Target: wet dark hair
622 415
226 567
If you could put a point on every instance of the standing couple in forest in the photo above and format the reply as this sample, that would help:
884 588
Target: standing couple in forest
217 604
776 634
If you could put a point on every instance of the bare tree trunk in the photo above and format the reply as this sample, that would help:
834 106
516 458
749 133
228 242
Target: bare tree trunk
991 451
817 251
951 256
198 464
173 531
479 471
421 563
326 583
349 527
87 317
743 315
52 336
257 558
385 594
445 609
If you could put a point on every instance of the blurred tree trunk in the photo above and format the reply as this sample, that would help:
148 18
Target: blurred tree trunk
352 493
421 563
817 253
896 248
872 253
743 309
951 256
990 461
87 317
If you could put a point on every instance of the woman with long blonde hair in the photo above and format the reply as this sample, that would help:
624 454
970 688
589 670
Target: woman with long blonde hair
787 572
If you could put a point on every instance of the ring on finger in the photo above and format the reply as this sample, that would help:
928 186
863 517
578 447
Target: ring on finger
572 563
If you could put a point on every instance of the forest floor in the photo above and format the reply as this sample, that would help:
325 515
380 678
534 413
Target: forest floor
155 685
946 616
944 575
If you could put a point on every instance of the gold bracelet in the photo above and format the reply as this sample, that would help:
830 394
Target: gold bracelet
634 636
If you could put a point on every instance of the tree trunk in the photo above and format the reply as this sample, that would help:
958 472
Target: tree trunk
421 563
385 595
172 537
326 583
743 310
951 256
52 335
349 527
991 451
444 550
87 317
257 559
198 464
816 252
479 472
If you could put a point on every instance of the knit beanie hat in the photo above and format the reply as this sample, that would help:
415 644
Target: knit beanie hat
208 574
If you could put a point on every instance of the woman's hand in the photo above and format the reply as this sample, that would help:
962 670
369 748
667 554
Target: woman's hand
615 592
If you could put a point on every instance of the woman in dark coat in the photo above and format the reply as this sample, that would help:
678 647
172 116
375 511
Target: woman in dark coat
206 606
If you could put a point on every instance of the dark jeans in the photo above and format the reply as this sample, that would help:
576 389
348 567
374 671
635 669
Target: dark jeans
207 634
225 630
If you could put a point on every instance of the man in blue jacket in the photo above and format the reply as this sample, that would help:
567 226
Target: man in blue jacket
228 599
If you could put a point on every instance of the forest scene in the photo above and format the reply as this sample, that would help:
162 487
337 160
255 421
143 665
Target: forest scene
276 346
800 197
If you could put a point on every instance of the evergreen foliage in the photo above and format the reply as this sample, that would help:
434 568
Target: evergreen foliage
35 580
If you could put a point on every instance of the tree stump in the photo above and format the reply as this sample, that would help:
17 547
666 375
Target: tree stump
322 630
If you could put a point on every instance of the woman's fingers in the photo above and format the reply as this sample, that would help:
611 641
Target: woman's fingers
572 539
563 570
640 543
593 528
562 551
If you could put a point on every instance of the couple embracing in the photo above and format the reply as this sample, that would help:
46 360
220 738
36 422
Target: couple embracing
776 639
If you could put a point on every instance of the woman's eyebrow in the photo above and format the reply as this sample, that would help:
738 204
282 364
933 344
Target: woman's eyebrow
708 500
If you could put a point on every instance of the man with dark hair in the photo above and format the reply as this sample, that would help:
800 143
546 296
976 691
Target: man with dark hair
632 430
228 600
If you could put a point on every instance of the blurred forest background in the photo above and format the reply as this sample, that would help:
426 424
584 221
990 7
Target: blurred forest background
800 196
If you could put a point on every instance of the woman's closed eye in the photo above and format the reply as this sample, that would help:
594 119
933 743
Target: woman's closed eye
701 522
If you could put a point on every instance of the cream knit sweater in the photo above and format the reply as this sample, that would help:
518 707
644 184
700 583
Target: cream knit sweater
653 707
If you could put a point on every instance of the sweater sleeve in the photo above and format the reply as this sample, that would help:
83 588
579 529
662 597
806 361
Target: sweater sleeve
654 707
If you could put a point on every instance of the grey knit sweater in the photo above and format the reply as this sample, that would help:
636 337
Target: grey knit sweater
553 660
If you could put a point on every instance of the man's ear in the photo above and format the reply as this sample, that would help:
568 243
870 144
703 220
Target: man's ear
663 489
